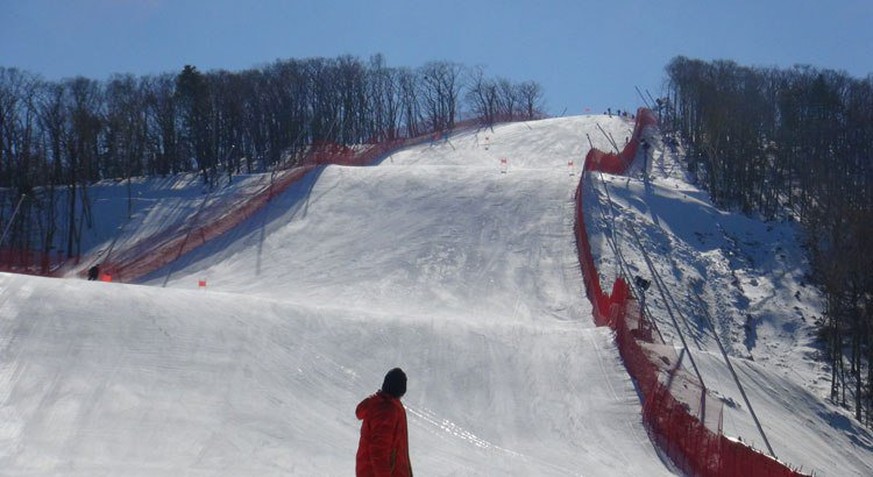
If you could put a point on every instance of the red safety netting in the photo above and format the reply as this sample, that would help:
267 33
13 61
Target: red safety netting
158 251
683 420
30 262
612 163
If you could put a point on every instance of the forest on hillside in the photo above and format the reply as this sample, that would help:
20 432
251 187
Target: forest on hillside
794 144
59 137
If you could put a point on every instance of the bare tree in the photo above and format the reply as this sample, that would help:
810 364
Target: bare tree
440 89
85 110
531 98
482 97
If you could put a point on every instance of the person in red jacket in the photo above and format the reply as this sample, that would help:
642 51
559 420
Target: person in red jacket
383 450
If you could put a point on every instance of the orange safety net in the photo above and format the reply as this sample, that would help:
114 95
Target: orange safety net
684 421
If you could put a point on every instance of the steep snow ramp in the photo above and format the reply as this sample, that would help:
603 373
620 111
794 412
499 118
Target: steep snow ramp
424 240
435 261
441 228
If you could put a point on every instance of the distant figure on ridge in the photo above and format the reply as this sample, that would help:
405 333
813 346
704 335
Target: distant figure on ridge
384 446
93 273
646 147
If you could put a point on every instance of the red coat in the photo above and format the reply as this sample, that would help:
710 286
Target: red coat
384 447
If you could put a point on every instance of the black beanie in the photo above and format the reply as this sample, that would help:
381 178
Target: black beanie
395 383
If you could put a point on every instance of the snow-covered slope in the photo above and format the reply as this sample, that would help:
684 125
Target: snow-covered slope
454 260
435 261
751 279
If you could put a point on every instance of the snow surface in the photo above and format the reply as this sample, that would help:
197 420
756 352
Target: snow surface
455 261
751 278
435 261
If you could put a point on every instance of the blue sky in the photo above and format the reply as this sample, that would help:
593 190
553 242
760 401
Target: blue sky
585 54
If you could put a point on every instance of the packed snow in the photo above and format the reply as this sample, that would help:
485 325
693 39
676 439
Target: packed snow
454 260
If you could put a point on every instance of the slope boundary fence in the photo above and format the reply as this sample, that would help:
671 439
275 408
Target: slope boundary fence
153 253
683 420
30 262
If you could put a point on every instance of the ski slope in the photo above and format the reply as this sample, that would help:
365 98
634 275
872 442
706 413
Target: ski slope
454 260
751 277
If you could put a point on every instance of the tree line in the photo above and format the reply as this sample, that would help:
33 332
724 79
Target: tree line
59 137
794 143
